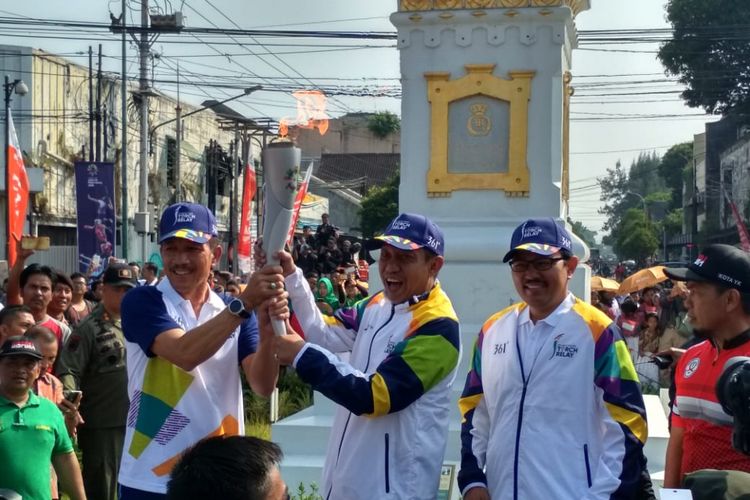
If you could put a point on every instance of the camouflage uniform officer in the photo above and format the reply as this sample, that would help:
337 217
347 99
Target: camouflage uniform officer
93 361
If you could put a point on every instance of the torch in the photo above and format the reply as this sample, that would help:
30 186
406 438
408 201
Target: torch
281 162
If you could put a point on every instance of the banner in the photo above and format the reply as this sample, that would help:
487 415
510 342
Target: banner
95 187
298 203
741 228
245 244
18 192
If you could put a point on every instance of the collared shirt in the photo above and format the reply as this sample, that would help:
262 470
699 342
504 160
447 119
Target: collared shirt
707 430
49 387
171 409
30 436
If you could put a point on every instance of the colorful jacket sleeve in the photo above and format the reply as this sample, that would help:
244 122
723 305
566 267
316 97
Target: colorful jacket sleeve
474 424
334 333
624 413
416 364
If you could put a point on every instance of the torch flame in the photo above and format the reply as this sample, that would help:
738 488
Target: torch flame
311 112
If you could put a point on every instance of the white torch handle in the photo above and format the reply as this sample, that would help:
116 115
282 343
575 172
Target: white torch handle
281 164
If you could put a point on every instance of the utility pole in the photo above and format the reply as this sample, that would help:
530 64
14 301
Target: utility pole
178 143
91 104
143 50
235 196
98 111
124 140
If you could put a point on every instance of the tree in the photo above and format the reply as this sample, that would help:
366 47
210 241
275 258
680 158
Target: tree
587 235
379 207
383 124
671 169
636 237
709 53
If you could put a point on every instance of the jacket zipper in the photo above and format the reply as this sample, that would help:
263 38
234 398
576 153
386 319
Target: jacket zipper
520 421
348 418
387 467
588 465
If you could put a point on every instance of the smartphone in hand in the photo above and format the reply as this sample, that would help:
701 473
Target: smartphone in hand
72 396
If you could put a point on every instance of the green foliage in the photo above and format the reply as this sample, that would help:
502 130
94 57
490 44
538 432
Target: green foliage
709 53
383 124
672 223
303 494
379 207
636 237
586 234
294 396
672 168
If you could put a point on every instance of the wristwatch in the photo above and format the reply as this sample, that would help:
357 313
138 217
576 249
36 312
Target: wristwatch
237 307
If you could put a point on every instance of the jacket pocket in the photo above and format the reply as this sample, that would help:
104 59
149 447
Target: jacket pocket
588 464
387 464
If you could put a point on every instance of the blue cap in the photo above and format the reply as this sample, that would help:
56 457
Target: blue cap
545 236
189 221
411 232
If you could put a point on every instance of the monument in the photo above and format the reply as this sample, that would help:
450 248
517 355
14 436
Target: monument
485 114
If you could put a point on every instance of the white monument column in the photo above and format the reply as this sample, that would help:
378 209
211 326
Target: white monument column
484 132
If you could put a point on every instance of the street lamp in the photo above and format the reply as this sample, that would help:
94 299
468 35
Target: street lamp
20 88
179 119
643 200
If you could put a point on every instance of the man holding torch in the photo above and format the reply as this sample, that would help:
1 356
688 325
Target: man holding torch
390 430
184 346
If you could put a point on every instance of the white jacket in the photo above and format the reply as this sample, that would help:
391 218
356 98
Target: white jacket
389 433
570 426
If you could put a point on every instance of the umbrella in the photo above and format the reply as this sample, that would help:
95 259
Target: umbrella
642 279
599 283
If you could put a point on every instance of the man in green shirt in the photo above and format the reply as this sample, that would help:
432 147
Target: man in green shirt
32 430
93 361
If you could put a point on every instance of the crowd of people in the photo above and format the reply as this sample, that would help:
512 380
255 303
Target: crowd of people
142 369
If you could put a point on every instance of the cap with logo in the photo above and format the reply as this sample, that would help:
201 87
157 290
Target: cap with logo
720 264
19 346
544 236
189 221
119 275
411 232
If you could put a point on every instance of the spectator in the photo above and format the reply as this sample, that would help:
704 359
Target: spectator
329 257
347 255
390 430
93 362
94 294
718 304
308 236
150 274
62 296
33 433
312 278
229 468
14 321
183 348
79 306
648 346
353 295
363 268
325 232
233 288
326 297
37 283
136 270
534 357
308 260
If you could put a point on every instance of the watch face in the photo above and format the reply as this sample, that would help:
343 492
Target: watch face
236 306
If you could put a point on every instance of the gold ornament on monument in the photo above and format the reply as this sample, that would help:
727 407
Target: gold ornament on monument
480 4
448 4
513 4
412 5
479 123
576 6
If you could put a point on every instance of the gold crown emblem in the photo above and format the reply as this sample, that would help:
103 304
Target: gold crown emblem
478 109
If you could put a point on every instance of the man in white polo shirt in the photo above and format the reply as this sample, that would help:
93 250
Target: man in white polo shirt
184 345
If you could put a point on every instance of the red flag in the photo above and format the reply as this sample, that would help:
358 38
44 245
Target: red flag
18 192
298 204
245 246
741 228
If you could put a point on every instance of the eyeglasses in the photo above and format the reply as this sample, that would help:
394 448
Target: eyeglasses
521 266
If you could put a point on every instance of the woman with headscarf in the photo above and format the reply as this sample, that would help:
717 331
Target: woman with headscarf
325 297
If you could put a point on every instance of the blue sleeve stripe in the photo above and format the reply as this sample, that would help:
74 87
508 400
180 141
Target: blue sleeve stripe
144 316
247 343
